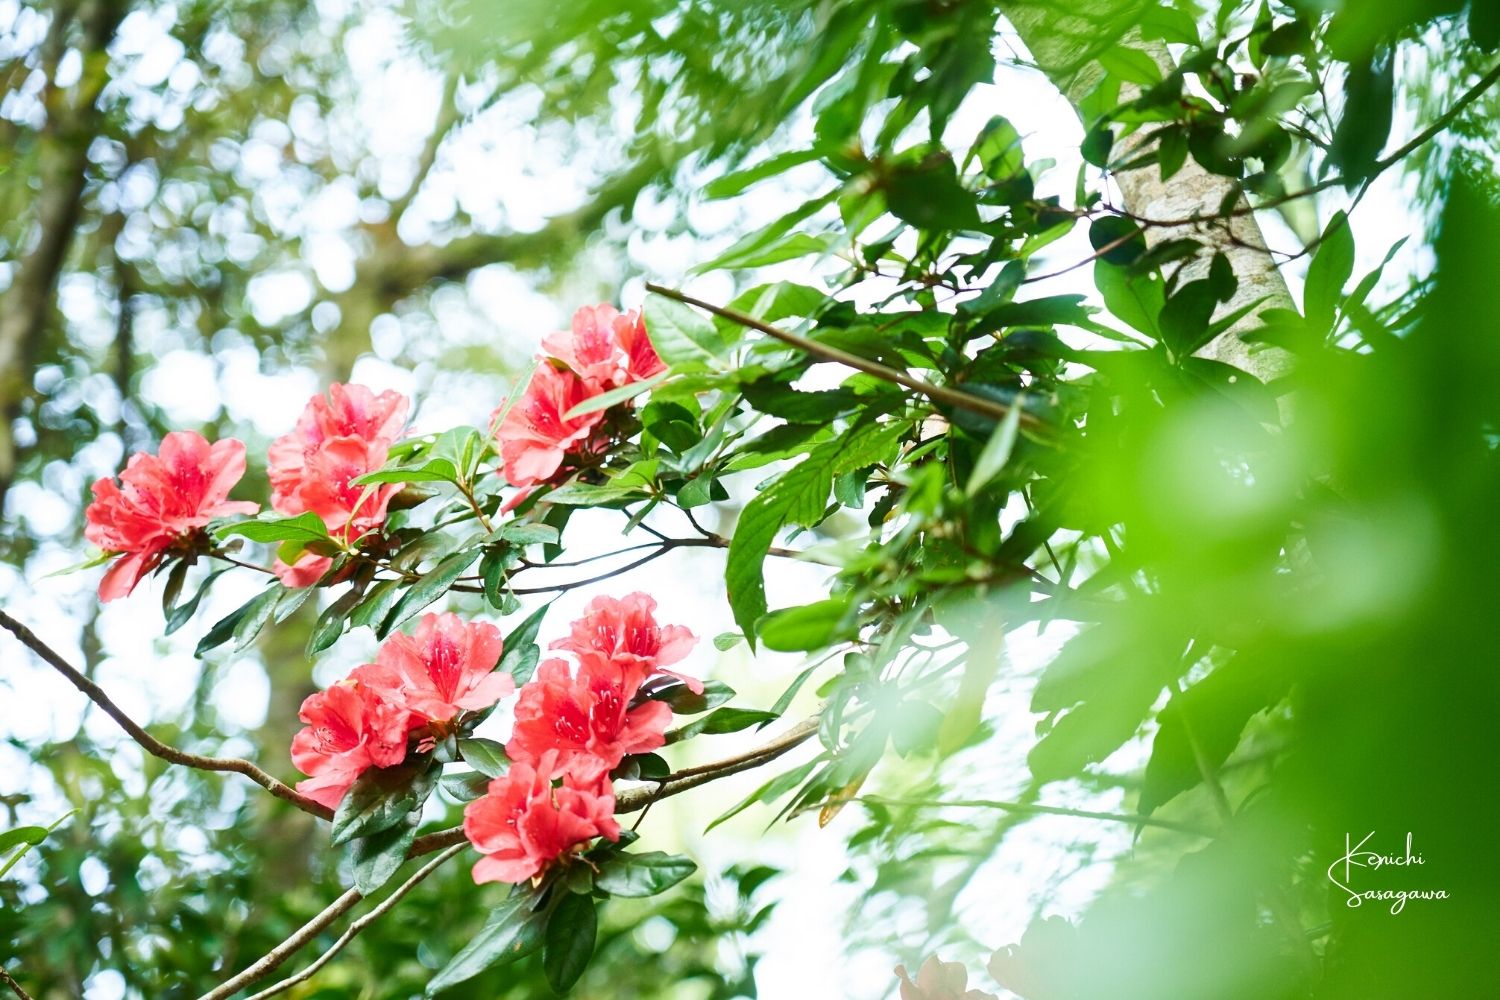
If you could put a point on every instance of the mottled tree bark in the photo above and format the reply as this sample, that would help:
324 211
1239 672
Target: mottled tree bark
1064 40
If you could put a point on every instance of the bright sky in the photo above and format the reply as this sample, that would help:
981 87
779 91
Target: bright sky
504 173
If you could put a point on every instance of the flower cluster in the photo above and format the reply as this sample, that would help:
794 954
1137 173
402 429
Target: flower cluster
313 467
162 502
418 686
574 724
605 349
165 499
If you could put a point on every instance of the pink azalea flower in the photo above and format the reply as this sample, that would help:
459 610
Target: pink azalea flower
534 436
447 667
163 497
605 347
523 824
336 440
625 630
306 571
348 411
350 727
586 718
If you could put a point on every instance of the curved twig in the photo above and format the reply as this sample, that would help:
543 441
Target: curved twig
287 948
359 925
150 743
635 799
15 987
936 393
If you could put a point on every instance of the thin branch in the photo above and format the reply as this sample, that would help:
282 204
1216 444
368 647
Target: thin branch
273 958
452 839
937 393
673 784
15 987
1107 248
1024 808
660 551
150 743
634 799
359 925
564 563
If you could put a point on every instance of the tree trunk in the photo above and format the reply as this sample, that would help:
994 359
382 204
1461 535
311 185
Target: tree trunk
1063 44
62 162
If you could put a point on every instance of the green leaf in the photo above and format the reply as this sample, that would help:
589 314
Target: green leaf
775 301
568 944
591 495
1046 311
521 651
1364 127
788 247
1216 709
761 238
1097 144
527 533
380 855
684 339
465 786
485 756
811 626
221 630
1130 65
798 496
1185 318
696 492
513 931
965 712
619 394
257 613
24 838
769 792
434 584
29 835
721 721
1169 24
181 614
330 624
98 559
929 195
1107 677
376 603
1117 239
305 527
683 701
997 450
1331 267
727 640
638 875
998 150
381 797
290 601
437 470
1171 152
785 701
732 184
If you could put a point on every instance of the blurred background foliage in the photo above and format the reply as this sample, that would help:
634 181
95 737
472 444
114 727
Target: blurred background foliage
207 210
